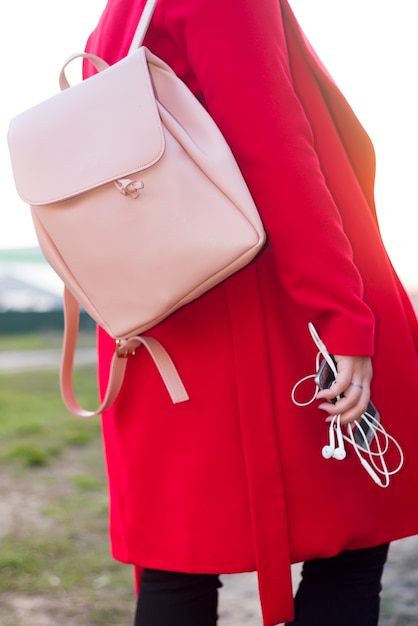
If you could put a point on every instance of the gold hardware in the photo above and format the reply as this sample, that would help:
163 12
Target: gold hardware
122 349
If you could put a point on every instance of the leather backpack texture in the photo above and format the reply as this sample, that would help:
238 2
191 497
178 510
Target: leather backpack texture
137 201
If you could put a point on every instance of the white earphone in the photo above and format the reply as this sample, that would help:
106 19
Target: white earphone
371 472
375 463
332 451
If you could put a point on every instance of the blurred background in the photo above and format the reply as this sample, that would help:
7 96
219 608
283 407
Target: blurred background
369 47
54 552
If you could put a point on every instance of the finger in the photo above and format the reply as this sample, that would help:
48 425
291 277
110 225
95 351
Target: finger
352 382
351 406
349 397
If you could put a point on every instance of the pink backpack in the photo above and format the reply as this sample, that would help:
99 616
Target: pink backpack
138 203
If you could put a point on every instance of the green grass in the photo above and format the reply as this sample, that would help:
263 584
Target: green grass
42 341
54 461
34 424
54 495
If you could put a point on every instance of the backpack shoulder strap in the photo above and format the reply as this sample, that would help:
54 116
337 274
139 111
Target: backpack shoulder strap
143 24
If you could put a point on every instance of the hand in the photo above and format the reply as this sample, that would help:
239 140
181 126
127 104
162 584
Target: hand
350 369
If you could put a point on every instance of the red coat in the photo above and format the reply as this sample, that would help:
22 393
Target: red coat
234 480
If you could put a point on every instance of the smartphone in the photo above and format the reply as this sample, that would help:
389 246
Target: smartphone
324 379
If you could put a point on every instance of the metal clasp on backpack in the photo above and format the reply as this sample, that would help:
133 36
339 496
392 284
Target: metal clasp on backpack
129 187
126 347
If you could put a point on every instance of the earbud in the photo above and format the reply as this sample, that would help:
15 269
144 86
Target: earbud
332 451
328 452
339 452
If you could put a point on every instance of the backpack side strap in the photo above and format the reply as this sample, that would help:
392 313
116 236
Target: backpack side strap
124 348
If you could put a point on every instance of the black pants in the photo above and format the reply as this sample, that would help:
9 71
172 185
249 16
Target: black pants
339 591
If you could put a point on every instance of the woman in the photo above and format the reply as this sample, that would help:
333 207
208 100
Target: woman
234 479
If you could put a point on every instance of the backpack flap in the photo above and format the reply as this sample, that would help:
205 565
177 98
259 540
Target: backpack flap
87 135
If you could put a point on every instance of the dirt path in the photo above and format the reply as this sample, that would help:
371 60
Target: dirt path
239 604
21 503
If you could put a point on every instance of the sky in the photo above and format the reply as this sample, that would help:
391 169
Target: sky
369 47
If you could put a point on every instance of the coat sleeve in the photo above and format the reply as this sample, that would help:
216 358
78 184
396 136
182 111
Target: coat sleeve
238 54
